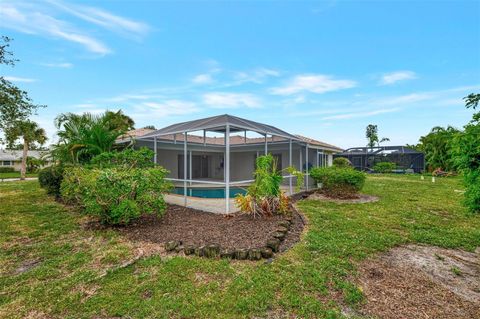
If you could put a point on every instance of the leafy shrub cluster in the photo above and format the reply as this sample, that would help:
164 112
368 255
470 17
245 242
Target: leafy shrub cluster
6 170
466 153
115 186
264 197
338 182
128 158
50 178
384 167
116 195
341 162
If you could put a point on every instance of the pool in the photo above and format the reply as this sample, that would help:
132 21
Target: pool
209 192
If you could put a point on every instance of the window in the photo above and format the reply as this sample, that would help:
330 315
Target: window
7 163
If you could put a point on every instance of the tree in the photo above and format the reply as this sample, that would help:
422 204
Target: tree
465 152
30 133
150 127
15 104
83 136
119 121
436 146
371 133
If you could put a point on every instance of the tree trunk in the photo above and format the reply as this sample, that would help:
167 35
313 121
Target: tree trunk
23 169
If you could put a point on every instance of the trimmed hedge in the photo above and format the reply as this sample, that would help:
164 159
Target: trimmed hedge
384 167
50 178
339 182
6 170
341 162
116 195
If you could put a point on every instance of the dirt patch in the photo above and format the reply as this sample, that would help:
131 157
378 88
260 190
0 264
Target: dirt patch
359 199
422 282
194 227
27 265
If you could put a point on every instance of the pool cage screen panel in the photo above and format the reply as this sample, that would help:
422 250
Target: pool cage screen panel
365 158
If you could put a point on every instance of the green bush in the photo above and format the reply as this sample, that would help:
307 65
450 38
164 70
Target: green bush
341 162
384 167
6 170
466 155
116 195
128 158
338 182
50 178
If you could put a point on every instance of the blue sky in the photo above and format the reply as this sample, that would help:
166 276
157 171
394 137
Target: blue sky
321 69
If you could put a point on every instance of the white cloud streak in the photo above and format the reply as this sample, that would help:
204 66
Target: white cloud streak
19 79
394 77
224 100
313 83
104 19
203 79
360 114
28 19
61 65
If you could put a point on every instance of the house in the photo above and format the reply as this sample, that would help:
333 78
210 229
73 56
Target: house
13 158
219 152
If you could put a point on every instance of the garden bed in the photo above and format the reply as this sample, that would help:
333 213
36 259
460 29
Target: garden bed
185 228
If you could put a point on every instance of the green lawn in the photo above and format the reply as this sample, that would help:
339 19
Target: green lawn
307 281
16 175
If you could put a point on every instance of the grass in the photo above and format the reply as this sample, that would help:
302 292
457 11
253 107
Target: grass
16 175
310 280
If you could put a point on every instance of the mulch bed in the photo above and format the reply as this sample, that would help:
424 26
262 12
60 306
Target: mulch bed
199 228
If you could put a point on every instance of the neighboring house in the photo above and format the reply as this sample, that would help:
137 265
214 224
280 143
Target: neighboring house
13 158
206 158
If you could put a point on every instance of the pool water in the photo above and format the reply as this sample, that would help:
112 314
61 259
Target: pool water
209 192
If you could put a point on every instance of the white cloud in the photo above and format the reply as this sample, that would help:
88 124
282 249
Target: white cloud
104 19
221 100
360 114
29 19
63 65
258 75
203 79
19 79
165 108
314 83
394 77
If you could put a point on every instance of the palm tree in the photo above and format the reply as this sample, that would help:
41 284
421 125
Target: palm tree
82 136
31 133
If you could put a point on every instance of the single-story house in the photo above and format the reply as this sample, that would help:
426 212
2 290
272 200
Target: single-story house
13 158
219 152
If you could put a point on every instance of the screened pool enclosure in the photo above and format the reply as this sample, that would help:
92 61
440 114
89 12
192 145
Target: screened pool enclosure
220 152
365 158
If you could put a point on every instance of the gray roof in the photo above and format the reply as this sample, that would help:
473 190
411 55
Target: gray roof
218 124
16 155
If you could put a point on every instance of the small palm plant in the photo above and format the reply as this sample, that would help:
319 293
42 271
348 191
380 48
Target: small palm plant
264 197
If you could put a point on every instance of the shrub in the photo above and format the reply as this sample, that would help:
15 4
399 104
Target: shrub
128 158
466 155
264 196
384 167
338 182
6 170
50 178
116 195
341 162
